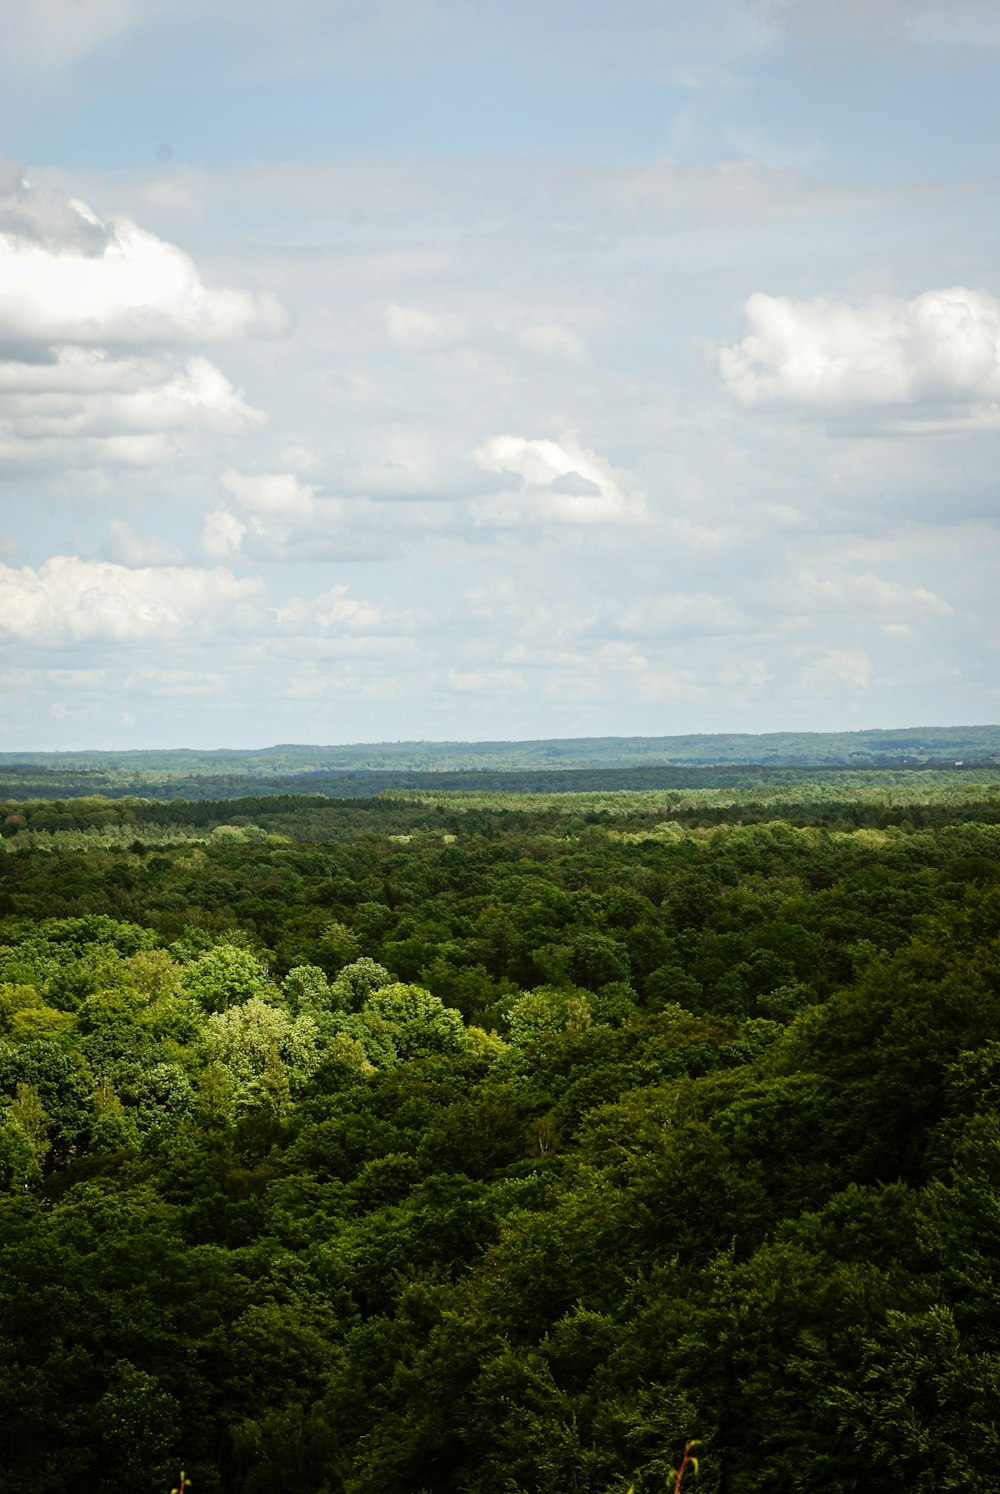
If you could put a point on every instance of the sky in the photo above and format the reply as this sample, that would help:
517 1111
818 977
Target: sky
378 370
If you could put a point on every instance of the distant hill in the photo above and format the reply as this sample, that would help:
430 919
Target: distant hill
366 768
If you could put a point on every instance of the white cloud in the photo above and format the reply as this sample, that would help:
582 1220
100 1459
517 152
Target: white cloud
68 277
750 557
540 462
84 408
71 600
138 290
199 395
73 290
940 349
88 394
564 482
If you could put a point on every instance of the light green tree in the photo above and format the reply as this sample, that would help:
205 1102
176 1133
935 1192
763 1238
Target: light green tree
417 1022
547 1012
18 1164
224 977
357 981
246 1039
14 999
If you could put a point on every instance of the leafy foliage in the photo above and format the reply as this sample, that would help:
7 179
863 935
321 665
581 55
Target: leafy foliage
542 1148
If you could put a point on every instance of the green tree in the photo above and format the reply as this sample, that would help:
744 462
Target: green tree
224 977
418 1023
356 982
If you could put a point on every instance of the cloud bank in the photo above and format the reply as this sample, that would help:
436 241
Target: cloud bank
504 486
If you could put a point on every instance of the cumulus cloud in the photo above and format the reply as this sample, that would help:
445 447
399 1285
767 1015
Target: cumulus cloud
75 293
68 277
649 616
941 349
562 482
69 600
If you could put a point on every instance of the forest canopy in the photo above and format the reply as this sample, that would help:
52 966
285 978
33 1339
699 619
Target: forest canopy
488 1144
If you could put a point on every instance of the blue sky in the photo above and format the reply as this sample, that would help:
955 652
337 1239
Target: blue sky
437 369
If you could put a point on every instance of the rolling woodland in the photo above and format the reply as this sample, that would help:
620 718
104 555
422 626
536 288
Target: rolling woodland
469 1141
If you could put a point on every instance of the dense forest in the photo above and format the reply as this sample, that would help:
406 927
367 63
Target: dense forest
474 1143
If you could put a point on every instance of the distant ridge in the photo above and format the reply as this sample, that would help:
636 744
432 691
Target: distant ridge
561 764
803 749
